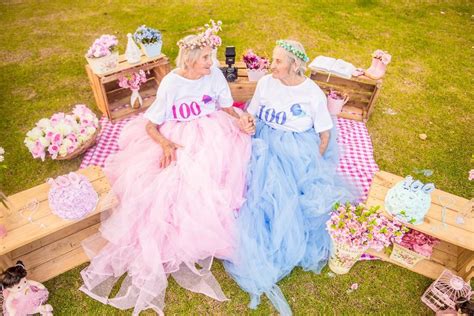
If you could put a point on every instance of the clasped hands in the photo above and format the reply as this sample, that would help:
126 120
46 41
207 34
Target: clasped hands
246 123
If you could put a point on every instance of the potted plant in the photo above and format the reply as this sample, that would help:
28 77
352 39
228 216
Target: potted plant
63 136
413 247
133 82
336 100
257 66
102 56
354 229
380 60
149 39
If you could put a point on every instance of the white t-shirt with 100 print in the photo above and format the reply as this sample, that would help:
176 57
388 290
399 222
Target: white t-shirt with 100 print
291 108
181 99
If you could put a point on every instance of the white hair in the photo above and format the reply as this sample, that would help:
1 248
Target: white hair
188 56
292 59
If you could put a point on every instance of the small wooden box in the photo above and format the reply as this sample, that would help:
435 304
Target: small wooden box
362 92
113 100
55 248
456 249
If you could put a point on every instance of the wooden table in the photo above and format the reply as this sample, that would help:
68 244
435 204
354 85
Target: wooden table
56 248
456 250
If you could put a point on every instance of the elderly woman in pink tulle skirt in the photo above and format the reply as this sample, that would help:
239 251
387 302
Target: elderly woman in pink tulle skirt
179 177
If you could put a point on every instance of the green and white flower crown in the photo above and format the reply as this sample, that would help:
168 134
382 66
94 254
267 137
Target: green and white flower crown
288 47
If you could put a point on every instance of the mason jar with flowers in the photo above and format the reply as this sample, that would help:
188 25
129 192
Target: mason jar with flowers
356 228
103 55
149 39
257 66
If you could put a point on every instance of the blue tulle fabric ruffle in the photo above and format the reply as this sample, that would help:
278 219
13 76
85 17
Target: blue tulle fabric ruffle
291 189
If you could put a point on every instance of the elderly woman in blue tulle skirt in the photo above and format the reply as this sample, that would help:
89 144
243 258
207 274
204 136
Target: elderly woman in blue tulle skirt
292 181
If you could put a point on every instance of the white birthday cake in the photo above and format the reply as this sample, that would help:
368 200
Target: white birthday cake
409 200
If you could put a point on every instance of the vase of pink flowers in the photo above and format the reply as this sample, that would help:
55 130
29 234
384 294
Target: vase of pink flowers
380 60
336 100
257 66
356 228
63 136
413 247
103 55
133 82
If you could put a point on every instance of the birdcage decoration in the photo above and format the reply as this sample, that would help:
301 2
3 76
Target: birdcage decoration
446 291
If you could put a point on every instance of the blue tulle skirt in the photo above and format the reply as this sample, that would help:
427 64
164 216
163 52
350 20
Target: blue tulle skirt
291 189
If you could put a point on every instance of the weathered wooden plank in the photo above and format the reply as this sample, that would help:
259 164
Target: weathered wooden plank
58 248
37 244
58 265
427 268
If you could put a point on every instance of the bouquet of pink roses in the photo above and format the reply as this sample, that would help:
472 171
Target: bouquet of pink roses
62 134
418 242
361 227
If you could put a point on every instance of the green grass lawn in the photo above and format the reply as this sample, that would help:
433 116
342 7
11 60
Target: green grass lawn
428 84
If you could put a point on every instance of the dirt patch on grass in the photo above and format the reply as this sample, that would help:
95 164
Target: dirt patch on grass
26 93
9 57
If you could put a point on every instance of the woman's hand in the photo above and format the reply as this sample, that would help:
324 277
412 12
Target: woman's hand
169 153
246 123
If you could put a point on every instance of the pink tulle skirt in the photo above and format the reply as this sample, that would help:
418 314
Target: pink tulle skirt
170 221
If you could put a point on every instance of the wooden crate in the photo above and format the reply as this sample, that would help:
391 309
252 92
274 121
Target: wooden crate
113 100
56 248
362 91
456 250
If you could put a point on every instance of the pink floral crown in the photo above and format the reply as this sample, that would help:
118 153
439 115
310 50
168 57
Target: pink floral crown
207 38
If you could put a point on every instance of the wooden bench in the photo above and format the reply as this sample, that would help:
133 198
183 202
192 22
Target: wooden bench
456 249
56 248
362 91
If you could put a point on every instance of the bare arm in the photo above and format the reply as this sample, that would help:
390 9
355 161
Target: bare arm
324 136
169 148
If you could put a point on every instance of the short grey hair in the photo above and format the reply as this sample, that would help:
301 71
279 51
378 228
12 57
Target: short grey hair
188 56
300 64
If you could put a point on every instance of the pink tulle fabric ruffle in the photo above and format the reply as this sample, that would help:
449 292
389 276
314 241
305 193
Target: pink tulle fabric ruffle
170 221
